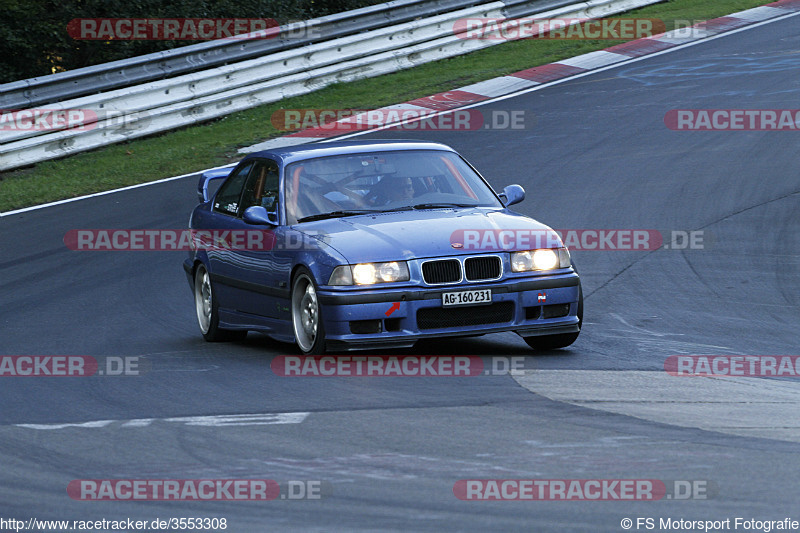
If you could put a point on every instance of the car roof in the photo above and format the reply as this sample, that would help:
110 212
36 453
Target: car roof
289 154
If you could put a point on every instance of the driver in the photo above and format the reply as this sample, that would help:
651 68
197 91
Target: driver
392 190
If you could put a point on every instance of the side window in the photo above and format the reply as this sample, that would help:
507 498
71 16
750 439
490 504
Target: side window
261 188
229 194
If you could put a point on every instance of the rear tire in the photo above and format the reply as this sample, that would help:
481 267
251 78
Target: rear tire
562 340
207 309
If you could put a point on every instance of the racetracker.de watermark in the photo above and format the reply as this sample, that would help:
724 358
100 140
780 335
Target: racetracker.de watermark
733 365
40 120
733 119
185 29
500 29
582 489
395 366
47 119
71 366
196 489
495 240
346 120
171 240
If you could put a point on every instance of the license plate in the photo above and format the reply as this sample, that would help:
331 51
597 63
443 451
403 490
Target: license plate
450 299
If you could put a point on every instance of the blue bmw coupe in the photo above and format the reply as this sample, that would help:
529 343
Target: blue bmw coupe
374 244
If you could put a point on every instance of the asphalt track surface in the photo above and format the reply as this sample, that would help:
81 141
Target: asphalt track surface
389 450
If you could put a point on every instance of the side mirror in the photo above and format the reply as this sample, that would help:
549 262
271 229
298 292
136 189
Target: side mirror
258 215
512 194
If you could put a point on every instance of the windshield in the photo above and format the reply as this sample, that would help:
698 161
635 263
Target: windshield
381 181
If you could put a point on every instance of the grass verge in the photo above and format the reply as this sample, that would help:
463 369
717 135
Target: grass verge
216 142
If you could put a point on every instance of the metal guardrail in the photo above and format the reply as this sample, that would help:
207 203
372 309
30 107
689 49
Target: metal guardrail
159 65
183 100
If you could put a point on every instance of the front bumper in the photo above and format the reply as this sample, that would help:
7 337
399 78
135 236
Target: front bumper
360 319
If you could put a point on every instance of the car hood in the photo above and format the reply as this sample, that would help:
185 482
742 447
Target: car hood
416 234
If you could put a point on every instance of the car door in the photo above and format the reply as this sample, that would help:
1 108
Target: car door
222 216
256 274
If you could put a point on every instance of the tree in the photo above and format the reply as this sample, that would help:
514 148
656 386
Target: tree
34 40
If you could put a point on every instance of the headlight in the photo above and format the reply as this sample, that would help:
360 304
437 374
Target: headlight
369 273
365 274
541 259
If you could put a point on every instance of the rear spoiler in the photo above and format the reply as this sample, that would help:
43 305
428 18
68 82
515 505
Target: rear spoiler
208 176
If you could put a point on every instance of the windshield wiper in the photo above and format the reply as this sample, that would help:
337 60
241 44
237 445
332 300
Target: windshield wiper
335 214
393 209
440 205
425 206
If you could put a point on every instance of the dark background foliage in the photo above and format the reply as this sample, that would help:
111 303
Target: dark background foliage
34 39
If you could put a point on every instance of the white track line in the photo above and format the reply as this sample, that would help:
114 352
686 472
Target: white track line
258 419
102 193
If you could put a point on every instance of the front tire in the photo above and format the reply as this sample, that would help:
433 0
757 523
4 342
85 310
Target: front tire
207 309
309 332
554 342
